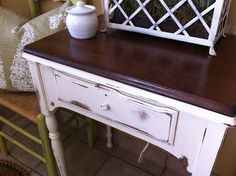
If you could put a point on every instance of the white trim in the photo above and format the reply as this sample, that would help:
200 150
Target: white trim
162 34
175 104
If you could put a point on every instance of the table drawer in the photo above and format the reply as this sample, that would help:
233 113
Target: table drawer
151 119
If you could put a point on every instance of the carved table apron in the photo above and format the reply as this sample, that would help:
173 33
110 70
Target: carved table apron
192 133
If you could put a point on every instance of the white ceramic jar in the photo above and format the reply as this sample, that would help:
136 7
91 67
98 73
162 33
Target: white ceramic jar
82 21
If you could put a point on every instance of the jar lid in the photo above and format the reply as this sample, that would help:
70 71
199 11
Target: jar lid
80 8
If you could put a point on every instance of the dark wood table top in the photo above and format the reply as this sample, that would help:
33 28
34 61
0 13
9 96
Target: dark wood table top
174 69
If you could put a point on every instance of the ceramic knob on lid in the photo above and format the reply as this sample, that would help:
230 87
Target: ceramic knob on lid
82 21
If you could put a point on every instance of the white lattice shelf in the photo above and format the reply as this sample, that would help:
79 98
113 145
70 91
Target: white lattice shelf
194 21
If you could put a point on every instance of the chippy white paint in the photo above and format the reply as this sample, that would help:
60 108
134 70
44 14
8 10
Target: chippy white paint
215 31
50 119
184 130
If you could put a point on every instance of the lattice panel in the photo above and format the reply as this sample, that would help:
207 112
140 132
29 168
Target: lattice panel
223 19
194 21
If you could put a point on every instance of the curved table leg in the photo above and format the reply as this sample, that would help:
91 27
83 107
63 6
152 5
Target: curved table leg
56 143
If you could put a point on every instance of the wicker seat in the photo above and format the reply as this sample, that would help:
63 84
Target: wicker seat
26 106
19 103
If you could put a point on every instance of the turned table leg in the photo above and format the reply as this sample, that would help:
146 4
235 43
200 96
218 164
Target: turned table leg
109 137
51 121
56 143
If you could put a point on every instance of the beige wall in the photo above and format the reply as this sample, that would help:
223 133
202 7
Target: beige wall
21 7
231 26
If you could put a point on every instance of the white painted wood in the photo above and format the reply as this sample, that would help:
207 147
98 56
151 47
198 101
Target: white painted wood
220 13
181 106
56 143
188 140
218 18
50 119
164 17
37 81
177 148
156 121
212 51
195 133
171 14
199 16
109 137
203 13
188 147
211 144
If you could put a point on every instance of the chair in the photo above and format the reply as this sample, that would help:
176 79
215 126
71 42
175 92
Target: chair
26 106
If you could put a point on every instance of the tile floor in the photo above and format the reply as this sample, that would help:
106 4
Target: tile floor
83 160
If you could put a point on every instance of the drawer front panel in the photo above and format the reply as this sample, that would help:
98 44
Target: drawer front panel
154 121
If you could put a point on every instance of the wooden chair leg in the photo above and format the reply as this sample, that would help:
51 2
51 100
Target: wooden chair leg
50 161
3 146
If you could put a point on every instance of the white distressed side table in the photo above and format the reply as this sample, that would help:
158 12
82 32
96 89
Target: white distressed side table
167 93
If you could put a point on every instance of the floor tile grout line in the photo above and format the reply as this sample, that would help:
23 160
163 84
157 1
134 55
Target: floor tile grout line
111 154
15 131
101 166
165 167
126 161
23 164
98 148
34 171
130 163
